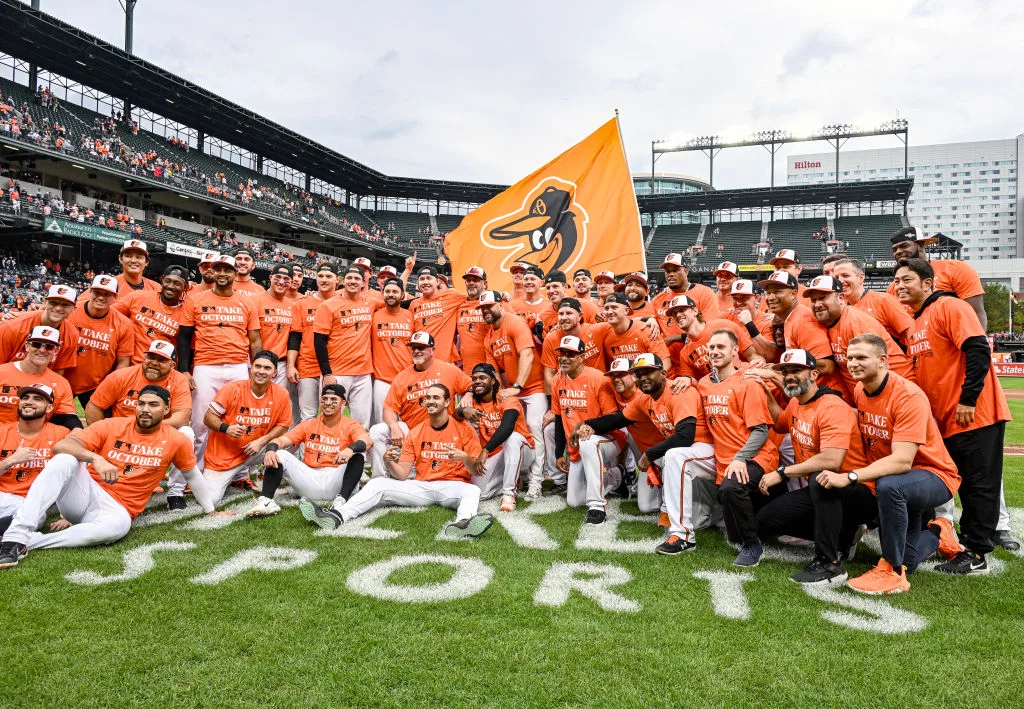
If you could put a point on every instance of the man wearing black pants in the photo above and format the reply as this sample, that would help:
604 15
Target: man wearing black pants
953 366
823 429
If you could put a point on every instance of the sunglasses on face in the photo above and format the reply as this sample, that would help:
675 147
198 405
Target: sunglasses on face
44 346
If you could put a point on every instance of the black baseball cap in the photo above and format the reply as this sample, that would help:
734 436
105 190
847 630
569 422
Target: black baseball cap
239 252
327 266
336 389
281 270
356 270
535 271
427 271
618 297
487 369
555 277
394 281
581 272
570 303
179 271
161 392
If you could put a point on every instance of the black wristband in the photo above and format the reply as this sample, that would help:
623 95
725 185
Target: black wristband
223 428
358 447
272 447
752 329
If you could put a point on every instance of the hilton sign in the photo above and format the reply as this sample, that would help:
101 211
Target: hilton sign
802 164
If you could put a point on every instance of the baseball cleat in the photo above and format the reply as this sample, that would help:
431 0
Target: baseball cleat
471 528
11 553
262 507
315 514
508 503
674 545
176 502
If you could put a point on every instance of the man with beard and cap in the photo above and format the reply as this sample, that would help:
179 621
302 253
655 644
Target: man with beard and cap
605 284
626 337
825 436
726 273
691 361
788 261
677 270
134 258
883 307
56 313
582 284
245 263
507 443
156 315
106 339
25 447
471 327
100 478
436 311
635 286
40 347
758 324
392 329
951 276
342 340
555 288
226 328
275 312
303 368
118 394
206 278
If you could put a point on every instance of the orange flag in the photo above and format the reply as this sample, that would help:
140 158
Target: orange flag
578 211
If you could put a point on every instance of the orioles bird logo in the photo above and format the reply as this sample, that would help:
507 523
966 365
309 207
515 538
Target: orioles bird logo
549 230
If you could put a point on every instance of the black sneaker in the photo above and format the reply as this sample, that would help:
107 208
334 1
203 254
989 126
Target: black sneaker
966 563
674 545
315 514
469 528
558 489
11 553
1002 538
821 572
176 502
596 516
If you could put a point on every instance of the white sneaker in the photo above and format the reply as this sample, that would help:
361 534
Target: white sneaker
263 507
533 493
338 502
508 503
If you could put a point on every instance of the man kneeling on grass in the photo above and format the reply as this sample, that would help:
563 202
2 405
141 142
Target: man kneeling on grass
444 452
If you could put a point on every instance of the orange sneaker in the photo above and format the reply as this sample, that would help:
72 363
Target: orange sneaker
508 503
949 545
663 520
881 580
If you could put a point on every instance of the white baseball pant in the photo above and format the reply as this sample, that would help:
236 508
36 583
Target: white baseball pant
453 494
589 476
550 466
359 391
10 504
309 398
688 480
95 516
210 379
534 408
380 392
175 479
292 389
217 481
648 498
946 509
502 469
321 485
380 435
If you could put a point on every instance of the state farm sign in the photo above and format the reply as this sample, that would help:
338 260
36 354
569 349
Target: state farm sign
803 164
1008 370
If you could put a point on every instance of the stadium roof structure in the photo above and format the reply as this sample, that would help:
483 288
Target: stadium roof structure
759 197
46 41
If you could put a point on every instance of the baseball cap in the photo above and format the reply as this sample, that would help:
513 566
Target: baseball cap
535 271
42 333
619 298
489 297
780 278
327 266
580 272
824 284
743 286
427 271
517 266
363 263
62 293
570 303
675 260
912 233
356 270
475 272
179 271
107 283
228 261
161 348
421 338
387 271
680 301
800 358
785 255
619 365
245 251
394 281
605 276
636 277
487 369
728 267
444 279
46 391
337 390
135 245
281 270
555 277
209 257
648 360
571 343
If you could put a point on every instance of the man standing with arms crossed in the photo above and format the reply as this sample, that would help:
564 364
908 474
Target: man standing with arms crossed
303 369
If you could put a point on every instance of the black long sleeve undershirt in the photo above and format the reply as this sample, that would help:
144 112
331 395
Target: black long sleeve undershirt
322 357
559 436
69 421
295 341
185 333
682 437
609 422
979 360
505 429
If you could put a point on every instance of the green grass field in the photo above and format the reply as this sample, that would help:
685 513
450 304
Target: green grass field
304 637
1012 382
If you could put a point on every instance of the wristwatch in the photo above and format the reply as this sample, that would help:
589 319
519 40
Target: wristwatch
853 477
517 385
781 470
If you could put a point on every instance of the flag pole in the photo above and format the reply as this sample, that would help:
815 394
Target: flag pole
622 144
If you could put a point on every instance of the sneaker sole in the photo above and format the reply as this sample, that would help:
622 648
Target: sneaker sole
9 564
309 513
249 514
478 524
977 572
677 552
877 593
834 581
746 566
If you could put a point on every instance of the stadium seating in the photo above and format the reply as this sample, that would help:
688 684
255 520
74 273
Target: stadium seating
730 241
410 226
868 236
798 234
669 238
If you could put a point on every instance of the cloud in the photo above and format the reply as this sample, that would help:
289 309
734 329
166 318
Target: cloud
388 57
391 131
817 45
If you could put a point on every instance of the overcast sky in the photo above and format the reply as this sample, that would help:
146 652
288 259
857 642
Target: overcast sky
482 92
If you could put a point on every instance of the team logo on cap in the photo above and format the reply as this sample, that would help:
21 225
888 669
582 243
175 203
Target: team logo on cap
619 364
490 297
105 283
62 293
229 260
209 257
826 283
605 276
647 359
786 255
781 278
743 287
363 262
571 343
549 229
43 333
387 271
421 338
474 272
680 301
728 267
673 260
135 244
162 348
800 358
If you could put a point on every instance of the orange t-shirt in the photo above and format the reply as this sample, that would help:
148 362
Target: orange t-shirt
141 459
593 339
900 411
249 288
530 312
853 322
17 479
762 321
275 323
439 316
391 333
731 408
550 316
953 276
888 311
503 346
704 297
12 379
236 403
100 342
321 443
124 288
427 449
586 397
222 327
472 329
119 392
634 341
692 360
151 318
490 418
661 416
15 332
346 322
939 331
304 312
824 422
801 331
405 397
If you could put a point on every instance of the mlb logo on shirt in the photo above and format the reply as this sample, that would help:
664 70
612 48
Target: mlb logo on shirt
122 445
243 410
